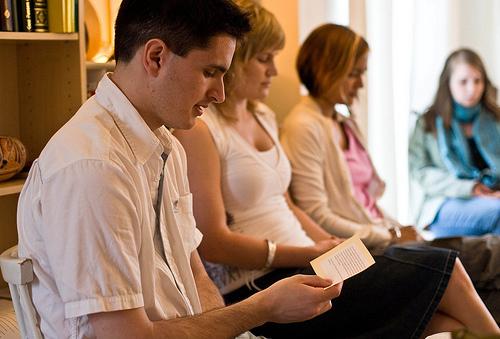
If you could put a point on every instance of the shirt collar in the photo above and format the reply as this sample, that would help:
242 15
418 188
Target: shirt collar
315 109
311 103
142 141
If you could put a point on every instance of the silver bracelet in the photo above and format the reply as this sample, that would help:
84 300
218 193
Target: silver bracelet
397 232
271 251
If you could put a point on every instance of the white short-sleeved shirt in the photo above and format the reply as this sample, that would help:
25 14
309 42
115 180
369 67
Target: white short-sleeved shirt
86 217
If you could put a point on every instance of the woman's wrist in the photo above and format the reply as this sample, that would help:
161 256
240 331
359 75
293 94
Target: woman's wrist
395 232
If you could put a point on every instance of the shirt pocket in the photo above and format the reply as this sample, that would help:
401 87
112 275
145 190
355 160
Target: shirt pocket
183 212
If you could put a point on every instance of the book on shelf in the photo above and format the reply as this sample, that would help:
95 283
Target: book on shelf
7 15
63 16
25 15
75 15
15 14
58 16
41 16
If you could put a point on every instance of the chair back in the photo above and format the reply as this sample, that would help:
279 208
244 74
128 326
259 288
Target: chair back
18 273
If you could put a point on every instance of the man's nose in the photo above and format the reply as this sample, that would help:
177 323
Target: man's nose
216 92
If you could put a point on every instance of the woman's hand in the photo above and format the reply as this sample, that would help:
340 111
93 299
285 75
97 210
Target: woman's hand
481 190
407 234
325 245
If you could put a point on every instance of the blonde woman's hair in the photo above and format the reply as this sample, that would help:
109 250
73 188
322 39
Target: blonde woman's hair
265 33
327 56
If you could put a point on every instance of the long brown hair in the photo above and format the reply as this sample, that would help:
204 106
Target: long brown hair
443 101
327 56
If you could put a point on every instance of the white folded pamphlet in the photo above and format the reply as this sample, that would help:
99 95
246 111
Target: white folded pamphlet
343 261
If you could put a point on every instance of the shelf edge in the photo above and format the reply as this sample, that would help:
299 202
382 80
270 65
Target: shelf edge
11 186
32 36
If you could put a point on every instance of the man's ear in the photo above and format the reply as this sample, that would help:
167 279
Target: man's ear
154 56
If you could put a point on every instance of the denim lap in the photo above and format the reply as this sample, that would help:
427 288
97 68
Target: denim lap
475 216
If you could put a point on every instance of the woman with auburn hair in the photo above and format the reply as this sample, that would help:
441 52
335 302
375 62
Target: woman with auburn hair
455 153
239 176
334 180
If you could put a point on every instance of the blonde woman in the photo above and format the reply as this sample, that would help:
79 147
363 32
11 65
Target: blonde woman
239 176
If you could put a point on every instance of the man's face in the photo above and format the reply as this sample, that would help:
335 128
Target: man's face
188 84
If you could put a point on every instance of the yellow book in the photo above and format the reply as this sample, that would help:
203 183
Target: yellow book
61 16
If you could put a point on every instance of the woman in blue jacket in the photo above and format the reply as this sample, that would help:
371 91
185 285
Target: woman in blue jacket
455 153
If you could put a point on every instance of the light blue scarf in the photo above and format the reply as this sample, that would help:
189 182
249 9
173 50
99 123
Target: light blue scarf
454 147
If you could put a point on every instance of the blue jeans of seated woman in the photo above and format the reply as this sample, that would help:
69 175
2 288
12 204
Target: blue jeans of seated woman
474 216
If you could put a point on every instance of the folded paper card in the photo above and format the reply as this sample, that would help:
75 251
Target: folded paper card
343 261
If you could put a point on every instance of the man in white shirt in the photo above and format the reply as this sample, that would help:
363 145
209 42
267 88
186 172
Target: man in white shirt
106 212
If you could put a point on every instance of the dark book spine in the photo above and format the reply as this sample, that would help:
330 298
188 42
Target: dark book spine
41 17
77 17
15 15
6 17
26 15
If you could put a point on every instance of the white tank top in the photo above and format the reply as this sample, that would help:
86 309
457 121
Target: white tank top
253 188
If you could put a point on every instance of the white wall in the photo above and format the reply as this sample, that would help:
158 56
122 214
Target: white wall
410 40
479 29
444 25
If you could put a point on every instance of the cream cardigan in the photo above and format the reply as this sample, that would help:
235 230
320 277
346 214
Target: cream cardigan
321 182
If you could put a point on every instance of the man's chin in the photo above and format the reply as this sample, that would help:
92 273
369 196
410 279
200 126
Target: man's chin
187 125
183 125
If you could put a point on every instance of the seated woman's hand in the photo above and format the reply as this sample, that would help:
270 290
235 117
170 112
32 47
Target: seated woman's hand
482 190
410 233
407 234
340 240
325 245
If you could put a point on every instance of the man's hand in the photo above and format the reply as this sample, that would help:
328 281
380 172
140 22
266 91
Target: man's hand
293 299
297 298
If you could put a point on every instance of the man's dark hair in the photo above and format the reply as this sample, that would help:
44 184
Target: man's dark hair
182 24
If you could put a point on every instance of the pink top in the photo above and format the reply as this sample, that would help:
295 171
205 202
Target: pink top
361 170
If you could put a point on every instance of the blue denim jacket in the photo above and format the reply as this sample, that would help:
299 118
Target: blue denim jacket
430 181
